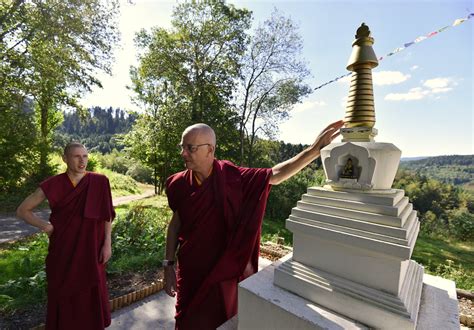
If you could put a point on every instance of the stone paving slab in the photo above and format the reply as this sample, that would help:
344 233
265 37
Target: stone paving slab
154 312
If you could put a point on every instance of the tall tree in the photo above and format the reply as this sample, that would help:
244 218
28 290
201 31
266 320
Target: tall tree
51 51
17 154
271 81
17 125
187 73
152 139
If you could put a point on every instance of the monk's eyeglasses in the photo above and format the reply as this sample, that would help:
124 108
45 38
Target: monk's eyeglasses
191 148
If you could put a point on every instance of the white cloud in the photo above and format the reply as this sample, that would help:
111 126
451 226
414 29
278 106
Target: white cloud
308 105
441 90
416 93
389 77
381 78
413 68
437 83
430 87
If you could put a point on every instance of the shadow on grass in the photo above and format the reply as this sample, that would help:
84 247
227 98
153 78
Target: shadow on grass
430 250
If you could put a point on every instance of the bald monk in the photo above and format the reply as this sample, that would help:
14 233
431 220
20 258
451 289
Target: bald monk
79 242
214 233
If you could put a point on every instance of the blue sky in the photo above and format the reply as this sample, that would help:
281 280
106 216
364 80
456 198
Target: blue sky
423 94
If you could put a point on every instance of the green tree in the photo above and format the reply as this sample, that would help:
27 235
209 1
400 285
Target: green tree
17 153
153 138
195 63
461 225
186 75
284 196
149 141
98 128
51 51
271 81
437 203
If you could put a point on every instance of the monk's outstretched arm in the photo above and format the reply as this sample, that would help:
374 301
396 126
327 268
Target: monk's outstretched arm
290 167
25 212
171 246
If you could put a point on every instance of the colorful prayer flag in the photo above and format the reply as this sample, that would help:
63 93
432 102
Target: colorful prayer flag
443 28
408 44
419 39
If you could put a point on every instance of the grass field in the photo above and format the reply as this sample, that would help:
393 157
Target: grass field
449 259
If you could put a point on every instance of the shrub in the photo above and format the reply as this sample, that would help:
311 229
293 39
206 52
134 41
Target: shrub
138 238
141 173
284 196
456 273
461 225
121 184
93 163
429 224
22 275
115 161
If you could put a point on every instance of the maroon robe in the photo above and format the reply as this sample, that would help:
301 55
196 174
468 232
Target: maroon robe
77 289
219 239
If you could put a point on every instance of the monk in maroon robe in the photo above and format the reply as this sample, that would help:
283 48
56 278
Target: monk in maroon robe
214 233
80 243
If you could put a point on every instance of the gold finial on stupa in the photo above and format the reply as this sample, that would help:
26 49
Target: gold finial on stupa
360 110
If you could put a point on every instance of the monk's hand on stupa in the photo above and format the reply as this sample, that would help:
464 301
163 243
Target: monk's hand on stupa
328 134
170 281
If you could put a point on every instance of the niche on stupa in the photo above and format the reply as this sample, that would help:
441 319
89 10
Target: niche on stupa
349 166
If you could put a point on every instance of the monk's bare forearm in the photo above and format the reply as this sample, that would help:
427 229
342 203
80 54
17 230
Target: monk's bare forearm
32 219
170 254
172 237
287 169
106 250
290 167
25 211
108 232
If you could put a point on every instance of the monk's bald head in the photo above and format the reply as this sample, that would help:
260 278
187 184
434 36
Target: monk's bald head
204 131
72 145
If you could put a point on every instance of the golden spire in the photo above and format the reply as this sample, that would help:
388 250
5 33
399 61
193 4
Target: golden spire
360 110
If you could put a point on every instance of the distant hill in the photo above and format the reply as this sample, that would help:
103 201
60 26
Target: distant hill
409 159
97 129
454 169
441 160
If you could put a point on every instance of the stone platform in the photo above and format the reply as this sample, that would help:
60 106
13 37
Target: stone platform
269 307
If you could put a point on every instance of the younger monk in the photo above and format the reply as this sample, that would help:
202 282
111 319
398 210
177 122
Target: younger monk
217 215
79 242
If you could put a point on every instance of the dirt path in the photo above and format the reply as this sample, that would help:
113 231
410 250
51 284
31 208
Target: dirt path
130 198
12 228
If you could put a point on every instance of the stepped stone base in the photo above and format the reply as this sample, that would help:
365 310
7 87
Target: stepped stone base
375 308
263 305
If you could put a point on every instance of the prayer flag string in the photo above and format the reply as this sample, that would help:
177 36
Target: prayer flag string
406 45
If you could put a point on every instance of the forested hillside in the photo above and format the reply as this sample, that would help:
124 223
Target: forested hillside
454 169
96 129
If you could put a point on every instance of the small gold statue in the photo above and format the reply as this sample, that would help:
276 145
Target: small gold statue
348 171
